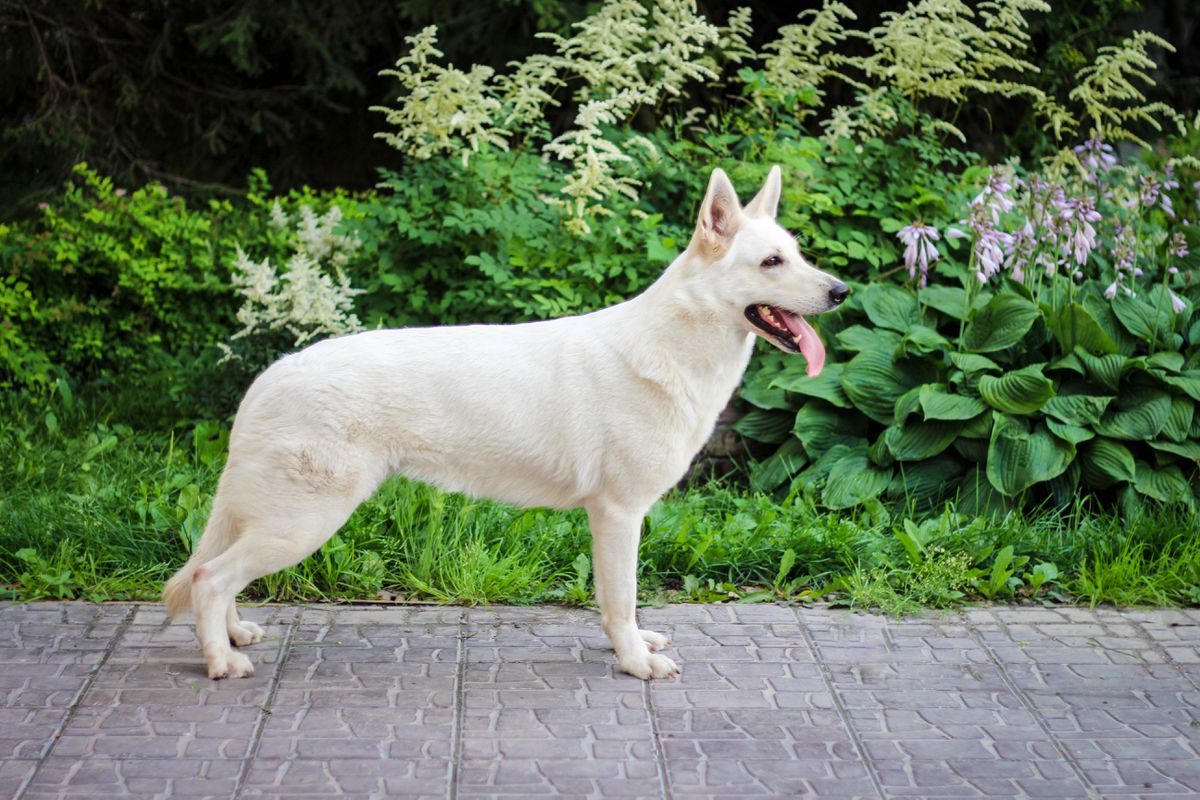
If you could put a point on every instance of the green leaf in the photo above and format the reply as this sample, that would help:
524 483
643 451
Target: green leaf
820 426
853 480
1069 433
1166 484
1188 449
1151 321
1105 462
827 385
1105 370
874 380
858 339
1077 409
906 404
1002 323
1188 383
1169 361
1020 392
937 403
950 300
757 391
1180 421
971 363
921 340
765 426
1019 456
787 461
1073 325
922 481
1141 414
918 440
889 306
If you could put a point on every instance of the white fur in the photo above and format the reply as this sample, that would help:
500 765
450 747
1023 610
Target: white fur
603 411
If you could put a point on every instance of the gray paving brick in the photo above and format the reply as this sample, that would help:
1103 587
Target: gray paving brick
387 701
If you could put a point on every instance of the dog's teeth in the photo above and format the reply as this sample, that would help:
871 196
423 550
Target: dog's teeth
796 339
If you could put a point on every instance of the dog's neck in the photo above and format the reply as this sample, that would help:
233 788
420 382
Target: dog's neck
685 338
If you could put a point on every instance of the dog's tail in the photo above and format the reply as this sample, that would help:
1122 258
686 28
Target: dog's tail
219 534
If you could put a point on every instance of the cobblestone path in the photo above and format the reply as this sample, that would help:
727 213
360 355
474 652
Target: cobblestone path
406 702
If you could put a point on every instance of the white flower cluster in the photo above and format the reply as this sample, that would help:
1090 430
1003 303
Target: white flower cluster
304 300
626 56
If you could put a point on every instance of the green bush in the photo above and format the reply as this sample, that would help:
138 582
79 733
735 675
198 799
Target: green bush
1077 368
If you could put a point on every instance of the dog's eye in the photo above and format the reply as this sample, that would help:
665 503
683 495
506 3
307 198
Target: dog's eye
772 261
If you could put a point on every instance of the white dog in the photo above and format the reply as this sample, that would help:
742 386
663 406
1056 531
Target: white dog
603 410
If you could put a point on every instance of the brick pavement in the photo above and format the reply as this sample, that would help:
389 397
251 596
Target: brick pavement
435 702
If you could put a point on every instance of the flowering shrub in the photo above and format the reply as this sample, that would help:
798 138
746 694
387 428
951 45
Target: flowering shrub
1059 352
305 301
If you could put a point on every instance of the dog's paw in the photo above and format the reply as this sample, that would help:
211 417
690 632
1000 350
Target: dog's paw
650 666
245 633
229 665
656 641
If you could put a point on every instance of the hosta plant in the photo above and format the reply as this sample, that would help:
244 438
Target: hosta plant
1053 350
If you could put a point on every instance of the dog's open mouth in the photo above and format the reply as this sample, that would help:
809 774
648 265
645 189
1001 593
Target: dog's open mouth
791 332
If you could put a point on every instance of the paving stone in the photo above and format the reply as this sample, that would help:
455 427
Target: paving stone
381 701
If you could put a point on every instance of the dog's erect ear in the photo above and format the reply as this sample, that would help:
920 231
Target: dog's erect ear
720 215
766 202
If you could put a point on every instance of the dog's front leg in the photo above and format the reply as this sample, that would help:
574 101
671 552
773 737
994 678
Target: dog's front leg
615 535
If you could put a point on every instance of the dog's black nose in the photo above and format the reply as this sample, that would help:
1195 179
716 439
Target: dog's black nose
838 292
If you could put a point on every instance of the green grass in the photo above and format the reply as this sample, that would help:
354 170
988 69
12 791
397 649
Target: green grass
93 508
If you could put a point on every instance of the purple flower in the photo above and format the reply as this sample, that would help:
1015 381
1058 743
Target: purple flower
919 250
1177 302
1079 216
43 206
1178 246
1096 157
119 192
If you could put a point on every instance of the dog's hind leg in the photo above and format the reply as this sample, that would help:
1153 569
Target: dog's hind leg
262 548
241 631
615 536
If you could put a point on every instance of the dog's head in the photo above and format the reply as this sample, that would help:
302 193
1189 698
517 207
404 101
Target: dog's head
758 271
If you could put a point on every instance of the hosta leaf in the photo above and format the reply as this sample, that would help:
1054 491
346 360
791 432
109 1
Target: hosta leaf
1076 409
1180 421
1068 362
921 481
827 385
1002 323
1105 370
874 380
1020 456
1073 325
973 362
781 467
858 339
1069 433
1065 487
757 391
1150 319
819 470
1188 383
950 300
977 496
765 426
1166 484
819 427
1188 449
937 403
1141 414
889 306
973 450
1020 392
917 440
907 403
921 340
1105 462
978 428
853 480
1171 362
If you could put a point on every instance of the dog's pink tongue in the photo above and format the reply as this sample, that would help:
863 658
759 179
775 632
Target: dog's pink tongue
811 346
